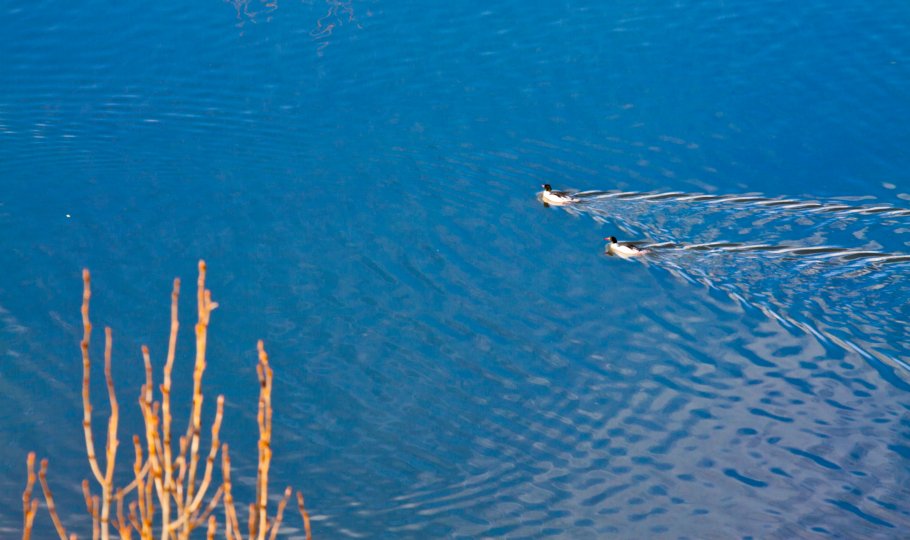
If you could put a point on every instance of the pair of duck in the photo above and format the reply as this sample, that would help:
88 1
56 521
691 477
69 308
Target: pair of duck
564 198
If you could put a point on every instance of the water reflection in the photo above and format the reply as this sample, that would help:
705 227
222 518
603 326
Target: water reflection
338 13
452 359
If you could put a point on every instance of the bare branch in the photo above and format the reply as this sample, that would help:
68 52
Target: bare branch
213 504
231 524
29 506
265 439
205 305
134 520
107 485
304 515
49 499
86 374
253 517
280 513
166 408
188 513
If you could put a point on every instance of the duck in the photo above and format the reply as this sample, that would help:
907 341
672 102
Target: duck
556 198
625 250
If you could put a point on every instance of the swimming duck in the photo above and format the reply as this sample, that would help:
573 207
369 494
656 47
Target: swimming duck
624 250
556 198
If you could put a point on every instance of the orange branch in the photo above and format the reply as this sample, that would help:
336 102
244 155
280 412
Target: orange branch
304 515
166 402
107 486
29 506
280 514
86 374
265 438
231 524
49 499
205 306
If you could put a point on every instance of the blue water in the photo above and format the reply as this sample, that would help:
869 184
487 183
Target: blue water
453 359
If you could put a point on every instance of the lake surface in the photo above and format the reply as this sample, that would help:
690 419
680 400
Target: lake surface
452 358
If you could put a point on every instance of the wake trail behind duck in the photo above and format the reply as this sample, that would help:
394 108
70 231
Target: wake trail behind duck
836 271
754 200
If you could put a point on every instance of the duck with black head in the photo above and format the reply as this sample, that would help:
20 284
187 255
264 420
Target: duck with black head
556 198
625 250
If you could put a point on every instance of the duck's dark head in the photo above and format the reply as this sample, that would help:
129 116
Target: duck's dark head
546 187
612 239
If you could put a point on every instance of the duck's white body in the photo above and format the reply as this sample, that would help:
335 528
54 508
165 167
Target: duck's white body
626 251
556 198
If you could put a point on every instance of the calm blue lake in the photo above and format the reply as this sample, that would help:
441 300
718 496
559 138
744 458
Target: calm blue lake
452 358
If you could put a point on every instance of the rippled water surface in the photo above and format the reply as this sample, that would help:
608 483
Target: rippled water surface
452 358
